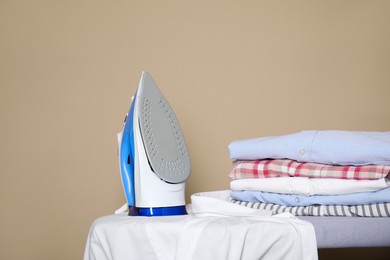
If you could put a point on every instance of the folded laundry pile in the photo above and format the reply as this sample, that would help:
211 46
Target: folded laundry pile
314 173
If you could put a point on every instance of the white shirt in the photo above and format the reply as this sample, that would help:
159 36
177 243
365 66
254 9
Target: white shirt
308 186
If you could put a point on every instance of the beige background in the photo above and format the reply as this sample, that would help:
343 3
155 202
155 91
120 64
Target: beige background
230 69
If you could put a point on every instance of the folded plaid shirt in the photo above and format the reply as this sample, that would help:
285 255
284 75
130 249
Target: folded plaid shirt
268 168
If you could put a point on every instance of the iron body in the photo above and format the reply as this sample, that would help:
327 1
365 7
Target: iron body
153 158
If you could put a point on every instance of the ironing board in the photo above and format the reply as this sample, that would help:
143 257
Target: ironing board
331 233
121 236
346 232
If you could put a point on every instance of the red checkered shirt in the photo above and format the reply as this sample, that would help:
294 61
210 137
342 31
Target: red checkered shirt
289 168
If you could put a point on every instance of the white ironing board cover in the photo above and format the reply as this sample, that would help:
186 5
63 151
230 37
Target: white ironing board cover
205 233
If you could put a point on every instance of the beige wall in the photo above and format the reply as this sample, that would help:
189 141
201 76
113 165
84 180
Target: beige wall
230 69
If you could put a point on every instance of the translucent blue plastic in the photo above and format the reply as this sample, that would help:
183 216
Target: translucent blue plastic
126 157
163 211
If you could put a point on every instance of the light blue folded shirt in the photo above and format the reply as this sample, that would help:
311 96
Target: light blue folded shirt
359 198
320 146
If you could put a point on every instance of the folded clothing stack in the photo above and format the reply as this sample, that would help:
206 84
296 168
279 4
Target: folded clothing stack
314 173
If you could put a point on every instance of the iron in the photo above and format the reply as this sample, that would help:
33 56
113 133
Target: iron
153 158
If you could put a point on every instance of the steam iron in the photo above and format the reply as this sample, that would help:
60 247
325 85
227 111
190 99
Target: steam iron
153 158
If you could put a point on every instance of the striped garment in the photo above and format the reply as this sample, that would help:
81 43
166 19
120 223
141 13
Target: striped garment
289 168
367 210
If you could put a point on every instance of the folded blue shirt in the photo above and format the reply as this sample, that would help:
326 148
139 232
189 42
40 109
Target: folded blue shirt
359 198
320 146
